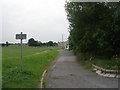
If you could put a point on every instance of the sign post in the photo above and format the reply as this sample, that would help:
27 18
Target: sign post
21 37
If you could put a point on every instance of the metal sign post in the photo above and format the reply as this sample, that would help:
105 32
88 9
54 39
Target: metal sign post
21 37
21 55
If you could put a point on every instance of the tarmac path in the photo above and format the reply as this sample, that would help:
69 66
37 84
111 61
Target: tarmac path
66 72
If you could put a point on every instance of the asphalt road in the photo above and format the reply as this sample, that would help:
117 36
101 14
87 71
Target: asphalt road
66 72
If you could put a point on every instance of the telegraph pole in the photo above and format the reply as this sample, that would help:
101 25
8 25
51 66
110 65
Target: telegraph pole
62 38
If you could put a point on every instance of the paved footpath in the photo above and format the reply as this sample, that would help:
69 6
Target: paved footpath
66 72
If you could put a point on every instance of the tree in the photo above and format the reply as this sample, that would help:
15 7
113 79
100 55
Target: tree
3 45
94 28
50 43
7 44
32 42
44 44
55 44
39 43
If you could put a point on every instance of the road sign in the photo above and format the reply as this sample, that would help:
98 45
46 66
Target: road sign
21 36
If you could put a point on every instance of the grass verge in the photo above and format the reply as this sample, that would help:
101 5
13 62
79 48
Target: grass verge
35 61
87 60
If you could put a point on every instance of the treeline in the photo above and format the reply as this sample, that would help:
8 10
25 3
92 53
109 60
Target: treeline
94 28
5 44
10 44
32 42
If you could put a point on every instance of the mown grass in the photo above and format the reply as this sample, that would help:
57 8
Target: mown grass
35 61
87 60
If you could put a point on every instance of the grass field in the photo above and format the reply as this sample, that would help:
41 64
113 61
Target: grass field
35 61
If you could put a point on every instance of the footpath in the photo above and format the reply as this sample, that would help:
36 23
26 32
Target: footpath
66 72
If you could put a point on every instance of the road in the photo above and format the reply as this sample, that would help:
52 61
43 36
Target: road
66 72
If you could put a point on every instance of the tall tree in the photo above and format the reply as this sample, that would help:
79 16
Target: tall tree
94 27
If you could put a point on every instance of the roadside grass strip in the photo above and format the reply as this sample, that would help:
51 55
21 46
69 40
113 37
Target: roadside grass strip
103 67
35 61
87 60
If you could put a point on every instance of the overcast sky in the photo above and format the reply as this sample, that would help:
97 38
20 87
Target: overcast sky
43 20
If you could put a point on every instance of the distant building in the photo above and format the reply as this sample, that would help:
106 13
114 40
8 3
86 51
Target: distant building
64 44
